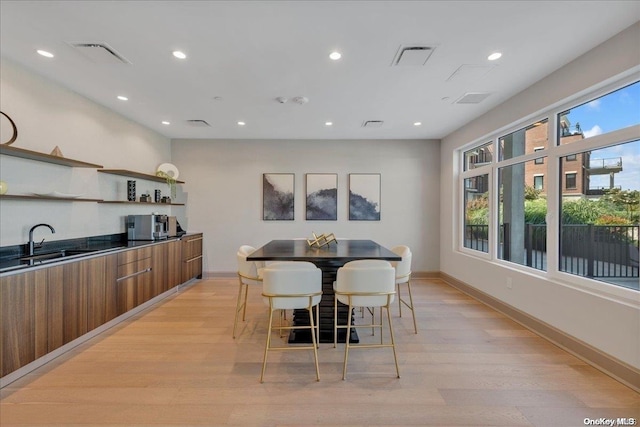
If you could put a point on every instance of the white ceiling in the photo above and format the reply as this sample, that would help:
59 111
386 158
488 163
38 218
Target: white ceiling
242 55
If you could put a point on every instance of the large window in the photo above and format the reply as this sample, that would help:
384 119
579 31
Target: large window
522 217
608 113
478 157
476 213
586 169
599 229
532 138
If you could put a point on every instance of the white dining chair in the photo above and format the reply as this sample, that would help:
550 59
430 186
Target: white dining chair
249 274
403 276
292 285
365 283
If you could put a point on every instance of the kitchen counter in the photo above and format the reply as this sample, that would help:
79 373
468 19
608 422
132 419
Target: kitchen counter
13 258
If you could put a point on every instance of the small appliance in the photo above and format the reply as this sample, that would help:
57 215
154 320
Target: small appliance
147 227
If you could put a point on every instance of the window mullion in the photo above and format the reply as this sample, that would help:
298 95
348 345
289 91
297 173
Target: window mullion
554 191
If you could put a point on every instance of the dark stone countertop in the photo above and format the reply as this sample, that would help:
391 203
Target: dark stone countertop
12 258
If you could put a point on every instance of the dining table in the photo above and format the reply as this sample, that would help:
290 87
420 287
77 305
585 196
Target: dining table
328 258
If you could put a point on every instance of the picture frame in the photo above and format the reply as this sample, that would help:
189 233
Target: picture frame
321 197
364 196
278 196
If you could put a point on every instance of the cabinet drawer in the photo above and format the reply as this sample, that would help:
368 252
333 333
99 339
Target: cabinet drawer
134 255
192 247
134 268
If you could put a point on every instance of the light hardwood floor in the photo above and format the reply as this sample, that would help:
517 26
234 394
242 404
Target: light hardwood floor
176 364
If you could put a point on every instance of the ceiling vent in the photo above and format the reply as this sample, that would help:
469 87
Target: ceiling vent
412 56
472 98
199 123
100 53
372 124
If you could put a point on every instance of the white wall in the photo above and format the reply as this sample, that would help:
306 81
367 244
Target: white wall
606 319
47 116
224 186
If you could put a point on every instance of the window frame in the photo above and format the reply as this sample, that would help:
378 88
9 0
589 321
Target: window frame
554 153
575 180
538 175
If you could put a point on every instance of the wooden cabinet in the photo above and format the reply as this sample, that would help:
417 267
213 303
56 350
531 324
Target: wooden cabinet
159 268
174 263
44 309
102 297
191 257
24 317
134 278
166 266
80 299
41 310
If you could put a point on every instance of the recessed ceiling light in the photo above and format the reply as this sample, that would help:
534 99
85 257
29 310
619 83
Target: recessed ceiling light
241 123
494 56
45 53
164 122
335 55
417 123
122 98
180 55
328 123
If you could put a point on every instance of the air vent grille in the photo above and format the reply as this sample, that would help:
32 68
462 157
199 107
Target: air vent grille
198 123
472 98
100 53
412 56
372 124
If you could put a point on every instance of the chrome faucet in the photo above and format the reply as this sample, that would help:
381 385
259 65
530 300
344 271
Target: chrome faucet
31 244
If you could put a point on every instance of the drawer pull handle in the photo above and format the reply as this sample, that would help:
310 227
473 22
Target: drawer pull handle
194 259
120 279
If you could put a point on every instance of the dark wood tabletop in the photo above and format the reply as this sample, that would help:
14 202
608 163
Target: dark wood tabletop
342 252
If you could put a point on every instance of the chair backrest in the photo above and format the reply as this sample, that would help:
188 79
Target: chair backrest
403 268
366 276
248 268
292 278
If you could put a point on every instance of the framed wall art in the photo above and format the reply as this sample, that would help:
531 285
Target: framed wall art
322 196
278 196
364 197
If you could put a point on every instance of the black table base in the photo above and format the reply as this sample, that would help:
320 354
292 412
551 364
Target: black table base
301 317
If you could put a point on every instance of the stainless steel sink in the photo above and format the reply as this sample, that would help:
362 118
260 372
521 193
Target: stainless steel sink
52 256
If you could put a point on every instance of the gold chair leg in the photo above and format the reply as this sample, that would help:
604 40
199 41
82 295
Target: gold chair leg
335 320
381 329
413 311
238 307
244 308
346 344
399 300
267 345
314 342
393 341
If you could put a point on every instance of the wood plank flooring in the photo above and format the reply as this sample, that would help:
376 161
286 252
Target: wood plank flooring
176 364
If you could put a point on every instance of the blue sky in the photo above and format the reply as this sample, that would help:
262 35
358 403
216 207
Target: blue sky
611 112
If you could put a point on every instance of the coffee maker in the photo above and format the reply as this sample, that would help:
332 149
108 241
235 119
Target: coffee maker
147 227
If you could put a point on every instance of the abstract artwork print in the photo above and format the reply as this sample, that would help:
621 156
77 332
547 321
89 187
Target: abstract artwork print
277 196
364 197
322 196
